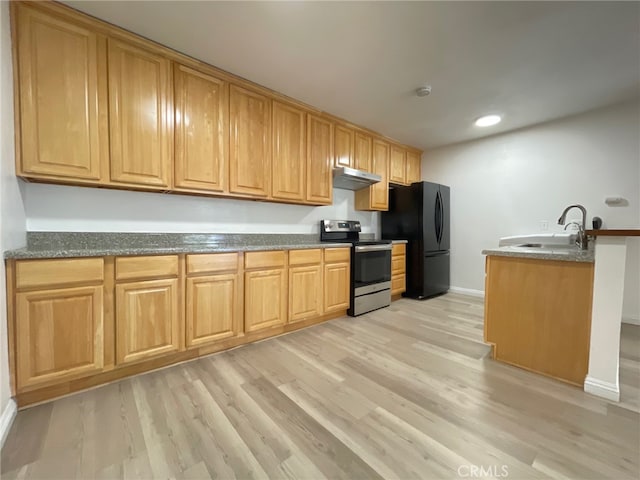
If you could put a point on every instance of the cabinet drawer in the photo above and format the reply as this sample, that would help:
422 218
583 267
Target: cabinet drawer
305 257
399 249
128 268
264 259
40 273
398 283
397 265
214 262
337 255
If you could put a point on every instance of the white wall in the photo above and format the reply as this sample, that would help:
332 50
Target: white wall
71 209
12 213
507 184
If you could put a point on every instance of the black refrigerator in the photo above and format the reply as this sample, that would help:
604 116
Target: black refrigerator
419 213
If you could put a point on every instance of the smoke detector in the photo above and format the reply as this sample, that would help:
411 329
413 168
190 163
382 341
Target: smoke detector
423 91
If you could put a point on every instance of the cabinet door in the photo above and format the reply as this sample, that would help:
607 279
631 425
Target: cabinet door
288 158
343 146
147 319
319 161
59 335
201 130
249 145
305 292
362 152
62 99
336 287
212 308
380 166
265 301
397 165
413 167
140 116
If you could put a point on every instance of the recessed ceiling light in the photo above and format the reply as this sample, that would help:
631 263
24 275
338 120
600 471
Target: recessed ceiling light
488 120
423 91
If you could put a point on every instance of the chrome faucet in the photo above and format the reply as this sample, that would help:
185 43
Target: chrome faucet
582 241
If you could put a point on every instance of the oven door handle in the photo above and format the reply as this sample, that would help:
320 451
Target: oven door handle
373 248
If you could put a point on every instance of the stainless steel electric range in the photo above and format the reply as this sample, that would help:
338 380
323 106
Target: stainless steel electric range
370 265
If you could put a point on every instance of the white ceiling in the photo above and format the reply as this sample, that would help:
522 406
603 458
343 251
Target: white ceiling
530 61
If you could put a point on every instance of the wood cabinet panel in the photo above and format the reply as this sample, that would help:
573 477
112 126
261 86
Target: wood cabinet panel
305 292
305 257
319 160
63 97
376 197
398 249
212 262
250 142
47 273
147 320
344 140
128 268
336 286
398 165
265 300
213 309
289 150
59 334
414 173
398 265
362 151
337 255
201 131
398 284
271 259
538 315
140 116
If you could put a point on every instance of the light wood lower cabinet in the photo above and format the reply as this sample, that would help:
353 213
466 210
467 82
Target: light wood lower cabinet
398 268
59 334
538 315
76 323
147 319
265 301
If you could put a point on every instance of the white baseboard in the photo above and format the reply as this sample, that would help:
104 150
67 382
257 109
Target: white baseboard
607 390
6 420
467 291
633 320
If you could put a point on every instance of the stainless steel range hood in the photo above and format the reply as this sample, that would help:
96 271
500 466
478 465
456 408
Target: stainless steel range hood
352 179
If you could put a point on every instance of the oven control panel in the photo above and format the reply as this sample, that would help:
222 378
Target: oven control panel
341 226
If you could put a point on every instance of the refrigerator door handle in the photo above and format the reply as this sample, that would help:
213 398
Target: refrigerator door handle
436 215
441 217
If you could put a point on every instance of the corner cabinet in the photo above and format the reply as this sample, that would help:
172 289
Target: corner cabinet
250 142
62 98
140 116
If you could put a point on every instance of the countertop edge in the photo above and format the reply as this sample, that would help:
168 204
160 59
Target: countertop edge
575 258
26 254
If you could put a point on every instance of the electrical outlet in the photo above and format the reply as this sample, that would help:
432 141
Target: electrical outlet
544 225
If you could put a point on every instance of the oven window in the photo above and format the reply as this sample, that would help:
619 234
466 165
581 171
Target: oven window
372 267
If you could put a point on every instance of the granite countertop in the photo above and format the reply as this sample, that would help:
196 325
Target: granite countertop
95 244
563 254
399 241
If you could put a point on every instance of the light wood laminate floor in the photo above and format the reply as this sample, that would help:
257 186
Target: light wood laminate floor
404 392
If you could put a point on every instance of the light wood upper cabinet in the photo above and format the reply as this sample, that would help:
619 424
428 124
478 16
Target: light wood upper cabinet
59 334
140 116
250 142
344 139
201 131
319 160
147 319
289 150
62 98
362 152
376 197
398 165
414 173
